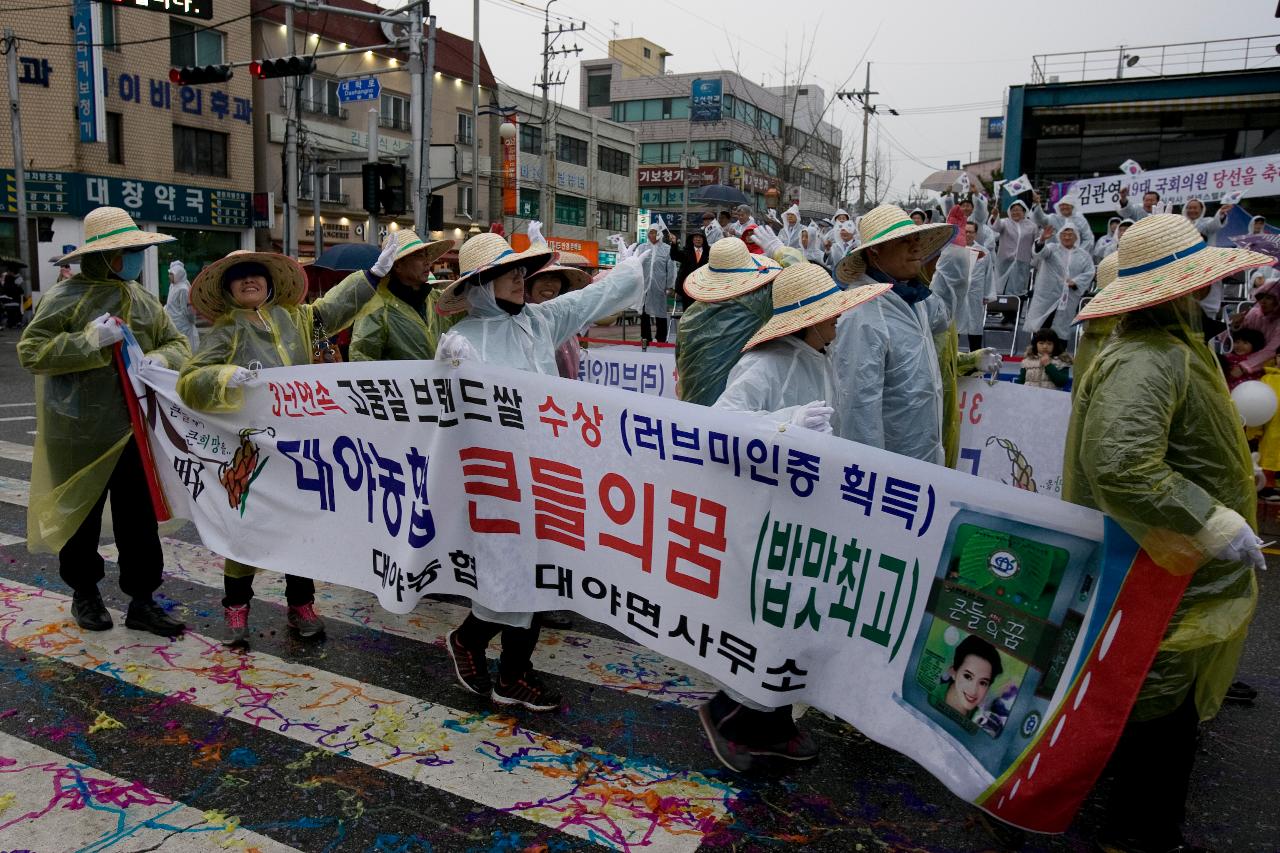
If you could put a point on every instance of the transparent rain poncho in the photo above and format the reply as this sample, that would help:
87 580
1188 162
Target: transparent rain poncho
273 335
82 424
778 377
1155 443
390 329
710 338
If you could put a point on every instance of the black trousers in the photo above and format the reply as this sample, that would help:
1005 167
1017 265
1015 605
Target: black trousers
975 343
133 521
646 328
297 590
517 643
1151 769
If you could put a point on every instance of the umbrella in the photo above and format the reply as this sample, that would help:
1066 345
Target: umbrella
8 261
348 257
1267 244
720 194
946 180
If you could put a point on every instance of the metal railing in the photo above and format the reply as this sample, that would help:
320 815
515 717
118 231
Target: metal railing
323 108
1160 60
393 123
343 199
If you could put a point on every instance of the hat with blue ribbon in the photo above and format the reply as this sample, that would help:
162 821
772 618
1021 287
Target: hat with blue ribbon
805 294
731 270
1163 257
483 258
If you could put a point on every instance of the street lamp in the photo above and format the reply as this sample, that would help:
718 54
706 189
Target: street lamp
506 132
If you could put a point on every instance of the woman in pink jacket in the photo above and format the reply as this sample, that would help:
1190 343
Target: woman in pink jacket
1264 316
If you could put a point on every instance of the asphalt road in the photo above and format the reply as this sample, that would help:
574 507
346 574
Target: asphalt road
123 742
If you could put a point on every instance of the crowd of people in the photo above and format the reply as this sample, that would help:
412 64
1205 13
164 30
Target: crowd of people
849 327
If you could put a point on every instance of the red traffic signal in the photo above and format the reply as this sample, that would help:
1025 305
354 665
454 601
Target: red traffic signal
194 75
288 66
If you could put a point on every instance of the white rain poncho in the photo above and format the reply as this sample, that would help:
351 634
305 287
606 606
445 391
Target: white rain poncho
713 231
845 240
659 276
979 217
1208 226
790 234
1056 267
888 382
971 311
1012 266
778 377
178 304
1057 221
1107 243
812 245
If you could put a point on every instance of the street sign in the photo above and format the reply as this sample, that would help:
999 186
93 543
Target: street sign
202 9
607 259
953 165
359 89
705 100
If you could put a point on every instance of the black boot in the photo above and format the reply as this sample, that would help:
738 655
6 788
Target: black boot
90 613
146 615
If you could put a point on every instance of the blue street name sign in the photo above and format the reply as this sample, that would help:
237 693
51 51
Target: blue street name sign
359 89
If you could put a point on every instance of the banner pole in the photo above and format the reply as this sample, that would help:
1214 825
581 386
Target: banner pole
158 502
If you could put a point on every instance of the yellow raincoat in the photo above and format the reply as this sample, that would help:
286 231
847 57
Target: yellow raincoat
82 424
273 335
1155 442
390 329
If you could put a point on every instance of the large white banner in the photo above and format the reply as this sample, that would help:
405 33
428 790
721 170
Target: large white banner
1013 434
651 371
1254 176
789 565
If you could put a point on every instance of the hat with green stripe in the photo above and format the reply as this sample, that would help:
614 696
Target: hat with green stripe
884 224
804 295
409 243
108 229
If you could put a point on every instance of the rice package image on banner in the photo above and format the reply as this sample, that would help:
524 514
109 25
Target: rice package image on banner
994 654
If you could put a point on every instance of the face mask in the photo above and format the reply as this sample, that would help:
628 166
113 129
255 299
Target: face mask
132 266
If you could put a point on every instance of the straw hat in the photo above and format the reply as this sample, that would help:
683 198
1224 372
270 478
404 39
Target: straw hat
731 270
890 222
109 228
1106 272
486 253
804 294
409 243
1161 258
211 299
574 277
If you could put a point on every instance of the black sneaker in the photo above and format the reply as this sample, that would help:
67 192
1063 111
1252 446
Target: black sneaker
91 614
469 665
149 616
798 748
527 691
732 755
1240 693
558 619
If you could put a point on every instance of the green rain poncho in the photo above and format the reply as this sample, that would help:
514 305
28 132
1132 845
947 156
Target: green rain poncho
82 424
273 335
388 328
1155 442
710 338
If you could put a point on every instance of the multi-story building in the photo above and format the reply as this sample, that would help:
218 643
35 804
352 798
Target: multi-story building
590 168
103 125
764 137
334 136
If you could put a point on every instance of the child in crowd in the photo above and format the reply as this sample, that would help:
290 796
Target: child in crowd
1244 343
1047 365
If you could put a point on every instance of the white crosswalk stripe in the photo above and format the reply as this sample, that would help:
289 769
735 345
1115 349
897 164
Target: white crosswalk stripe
16 452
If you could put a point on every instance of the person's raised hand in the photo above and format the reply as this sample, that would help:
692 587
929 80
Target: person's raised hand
386 258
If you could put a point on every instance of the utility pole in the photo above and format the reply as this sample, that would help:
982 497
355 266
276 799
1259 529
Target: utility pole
19 167
317 240
422 208
475 112
863 96
371 156
416 84
293 86
545 201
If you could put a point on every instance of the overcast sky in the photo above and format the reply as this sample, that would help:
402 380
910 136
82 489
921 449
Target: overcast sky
942 65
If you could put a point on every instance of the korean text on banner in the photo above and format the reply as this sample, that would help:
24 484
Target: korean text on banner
789 565
1254 176
631 369
1013 434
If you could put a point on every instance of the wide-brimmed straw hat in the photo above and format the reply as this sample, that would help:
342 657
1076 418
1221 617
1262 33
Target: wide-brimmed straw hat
886 223
485 253
1161 258
409 243
731 270
1107 269
211 299
804 294
574 277
109 228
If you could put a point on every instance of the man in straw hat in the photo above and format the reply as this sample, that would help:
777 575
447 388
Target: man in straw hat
398 323
84 447
1155 443
734 299
502 328
784 375
889 393
254 300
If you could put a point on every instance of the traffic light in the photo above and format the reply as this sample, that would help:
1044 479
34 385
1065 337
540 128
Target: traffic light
385 188
287 66
194 75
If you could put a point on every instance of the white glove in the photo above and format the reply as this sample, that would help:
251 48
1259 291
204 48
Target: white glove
105 331
242 376
383 264
535 233
455 346
1244 547
1259 477
766 239
989 361
772 215
815 416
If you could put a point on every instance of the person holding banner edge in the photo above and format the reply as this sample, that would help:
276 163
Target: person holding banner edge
255 302
85 448
1154 441
399 322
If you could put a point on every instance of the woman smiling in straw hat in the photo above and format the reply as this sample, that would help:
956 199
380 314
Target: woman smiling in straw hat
255 302
501 328
398 322
84 446
1155 443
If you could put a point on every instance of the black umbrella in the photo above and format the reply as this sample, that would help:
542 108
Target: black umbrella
348 256
720 194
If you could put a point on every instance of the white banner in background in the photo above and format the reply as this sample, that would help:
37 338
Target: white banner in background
1014 434
1254 176
651 371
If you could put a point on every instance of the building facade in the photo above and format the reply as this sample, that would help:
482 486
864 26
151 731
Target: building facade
104 125
591 171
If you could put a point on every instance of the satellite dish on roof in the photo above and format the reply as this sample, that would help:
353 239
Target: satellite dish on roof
394 32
